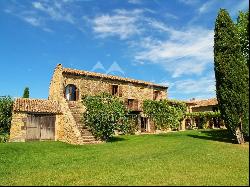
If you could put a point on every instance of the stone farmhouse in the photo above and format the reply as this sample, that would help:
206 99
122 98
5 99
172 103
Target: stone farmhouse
60 116
205 105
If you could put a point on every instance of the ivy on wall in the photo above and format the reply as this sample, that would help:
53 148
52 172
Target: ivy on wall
204 117
165 113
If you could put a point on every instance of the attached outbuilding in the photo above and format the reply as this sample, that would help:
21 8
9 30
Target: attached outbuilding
34 119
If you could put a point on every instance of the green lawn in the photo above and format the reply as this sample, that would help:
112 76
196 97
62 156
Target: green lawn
177 158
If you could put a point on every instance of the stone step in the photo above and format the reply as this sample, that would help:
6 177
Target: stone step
89 140
93 142
88 137
84 133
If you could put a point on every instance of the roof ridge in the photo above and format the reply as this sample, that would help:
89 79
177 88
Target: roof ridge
114 77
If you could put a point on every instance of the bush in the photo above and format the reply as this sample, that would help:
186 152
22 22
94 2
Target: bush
4 138
165 113
6 104
105 114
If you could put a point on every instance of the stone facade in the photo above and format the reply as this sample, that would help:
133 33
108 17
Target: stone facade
18 123
204 105
68 125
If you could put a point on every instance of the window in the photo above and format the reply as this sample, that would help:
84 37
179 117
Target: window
130 103
156 94
71 92
114 89
215 109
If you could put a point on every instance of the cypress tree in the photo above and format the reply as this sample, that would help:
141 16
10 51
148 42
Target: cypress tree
26 93
231 74
242 26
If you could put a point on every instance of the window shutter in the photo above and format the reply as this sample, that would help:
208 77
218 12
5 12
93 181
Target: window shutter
77 94
120 91
126 102
136 104
64 92
111 89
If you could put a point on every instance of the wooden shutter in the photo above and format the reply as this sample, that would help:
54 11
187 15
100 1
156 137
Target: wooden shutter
126 102
111 89
64 92
136 104
77 94
120 91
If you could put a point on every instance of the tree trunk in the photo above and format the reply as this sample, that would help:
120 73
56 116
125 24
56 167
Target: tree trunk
239 136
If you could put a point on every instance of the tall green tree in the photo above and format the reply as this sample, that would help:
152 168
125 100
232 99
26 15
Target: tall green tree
26 92
6 104
242 26
232 76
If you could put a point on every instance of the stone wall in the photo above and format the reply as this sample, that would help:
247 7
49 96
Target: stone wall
93 86
66 127
202 109
18 124
56 84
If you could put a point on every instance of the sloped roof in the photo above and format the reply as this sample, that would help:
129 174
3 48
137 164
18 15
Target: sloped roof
205 102
110 77
36 105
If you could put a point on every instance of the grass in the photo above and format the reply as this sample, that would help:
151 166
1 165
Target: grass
178 158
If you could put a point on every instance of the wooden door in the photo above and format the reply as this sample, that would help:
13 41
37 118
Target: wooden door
33 128
40 127
47 127
143 124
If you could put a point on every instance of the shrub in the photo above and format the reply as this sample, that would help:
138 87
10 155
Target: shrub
105 114
165 113
4 137
6 104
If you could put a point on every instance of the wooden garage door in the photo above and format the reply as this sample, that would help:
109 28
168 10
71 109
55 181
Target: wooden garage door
40 127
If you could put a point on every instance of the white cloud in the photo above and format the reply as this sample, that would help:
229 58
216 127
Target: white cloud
169 15
33 21
38 5
56 11
121 24
186 51
205 85
201 88
206 6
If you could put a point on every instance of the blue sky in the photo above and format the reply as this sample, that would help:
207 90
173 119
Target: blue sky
162 41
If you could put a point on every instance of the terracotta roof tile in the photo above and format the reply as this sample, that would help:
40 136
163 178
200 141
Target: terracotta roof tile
36 105
205 102
111 77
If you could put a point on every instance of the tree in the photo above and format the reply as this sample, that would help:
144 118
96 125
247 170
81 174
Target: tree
232 75
243 33
6 104
26 92
104 114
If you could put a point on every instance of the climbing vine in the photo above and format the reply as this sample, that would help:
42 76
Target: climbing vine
204 117
165 113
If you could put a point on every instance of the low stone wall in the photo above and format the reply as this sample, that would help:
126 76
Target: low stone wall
18 124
